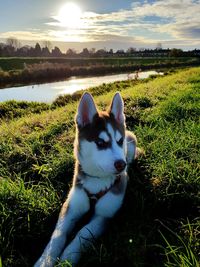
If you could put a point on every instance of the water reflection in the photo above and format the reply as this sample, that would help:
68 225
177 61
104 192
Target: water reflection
50 91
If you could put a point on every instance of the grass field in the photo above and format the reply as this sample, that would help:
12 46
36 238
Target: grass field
17 63
159 223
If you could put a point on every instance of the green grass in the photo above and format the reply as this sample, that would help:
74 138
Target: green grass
17 63
184 251
14 109
158 224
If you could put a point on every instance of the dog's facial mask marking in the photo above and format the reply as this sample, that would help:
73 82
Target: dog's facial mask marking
119 139
103 141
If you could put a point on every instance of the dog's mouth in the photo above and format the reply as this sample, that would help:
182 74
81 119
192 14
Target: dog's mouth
120 172
117 173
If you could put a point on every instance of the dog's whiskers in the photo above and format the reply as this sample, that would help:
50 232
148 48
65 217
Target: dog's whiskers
132 141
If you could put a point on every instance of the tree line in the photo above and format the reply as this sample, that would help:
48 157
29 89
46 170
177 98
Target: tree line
13 48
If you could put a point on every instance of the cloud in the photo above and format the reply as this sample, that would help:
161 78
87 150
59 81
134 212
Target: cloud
178 19
188 29
183 19
190 32
174 23
31 34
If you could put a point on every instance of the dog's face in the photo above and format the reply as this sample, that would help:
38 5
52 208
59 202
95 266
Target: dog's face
100 145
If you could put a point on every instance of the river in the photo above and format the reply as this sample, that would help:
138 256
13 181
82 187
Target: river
48 92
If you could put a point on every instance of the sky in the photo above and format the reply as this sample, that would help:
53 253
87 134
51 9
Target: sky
102 24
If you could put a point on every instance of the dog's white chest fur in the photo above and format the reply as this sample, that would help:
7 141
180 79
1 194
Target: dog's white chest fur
95 184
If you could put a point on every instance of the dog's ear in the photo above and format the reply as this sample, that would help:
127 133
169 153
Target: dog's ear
86 110
117 108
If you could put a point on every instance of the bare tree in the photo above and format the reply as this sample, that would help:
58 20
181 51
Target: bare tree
56 52
47 44
71 52
159 46
92 51
38 50
85 52
13 42
131 50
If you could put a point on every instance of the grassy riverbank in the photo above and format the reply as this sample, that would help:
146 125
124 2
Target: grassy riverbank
17 71
158 224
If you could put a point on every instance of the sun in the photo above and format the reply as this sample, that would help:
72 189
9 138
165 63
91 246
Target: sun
69 15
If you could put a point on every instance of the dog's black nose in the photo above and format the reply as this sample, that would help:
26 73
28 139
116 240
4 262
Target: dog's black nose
120 165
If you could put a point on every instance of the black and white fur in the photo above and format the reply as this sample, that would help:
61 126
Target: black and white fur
102 150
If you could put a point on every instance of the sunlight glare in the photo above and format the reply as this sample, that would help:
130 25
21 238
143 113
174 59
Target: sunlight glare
70 15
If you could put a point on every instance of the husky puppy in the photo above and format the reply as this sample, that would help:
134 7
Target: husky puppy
102 150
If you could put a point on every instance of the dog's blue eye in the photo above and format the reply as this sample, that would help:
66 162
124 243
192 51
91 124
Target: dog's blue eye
120 142
102 144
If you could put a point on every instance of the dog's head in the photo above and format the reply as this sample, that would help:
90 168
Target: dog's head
100 145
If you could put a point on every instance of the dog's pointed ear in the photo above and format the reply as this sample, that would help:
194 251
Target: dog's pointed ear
86 110
117 108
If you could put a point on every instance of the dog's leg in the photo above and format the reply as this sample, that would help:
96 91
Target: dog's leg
76 205
84 239
105 209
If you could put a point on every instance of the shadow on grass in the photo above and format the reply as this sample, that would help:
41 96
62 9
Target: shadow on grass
135 236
